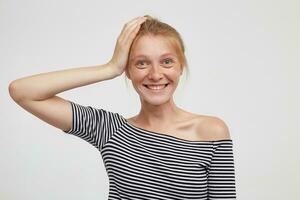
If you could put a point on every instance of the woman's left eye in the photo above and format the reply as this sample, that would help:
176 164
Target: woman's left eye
168 61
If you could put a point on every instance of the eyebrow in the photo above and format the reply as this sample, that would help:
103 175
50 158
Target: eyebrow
141 55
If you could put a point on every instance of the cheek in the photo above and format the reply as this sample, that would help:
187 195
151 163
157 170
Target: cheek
137 76
174 75
130 72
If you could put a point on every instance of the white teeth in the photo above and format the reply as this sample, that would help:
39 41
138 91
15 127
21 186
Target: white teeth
156 87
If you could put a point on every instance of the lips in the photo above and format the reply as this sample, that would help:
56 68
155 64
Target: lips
156 86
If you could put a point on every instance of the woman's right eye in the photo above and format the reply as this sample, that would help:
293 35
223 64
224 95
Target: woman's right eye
141 63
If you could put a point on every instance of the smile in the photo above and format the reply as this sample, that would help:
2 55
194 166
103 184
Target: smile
156 87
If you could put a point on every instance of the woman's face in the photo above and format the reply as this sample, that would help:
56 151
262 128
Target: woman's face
154 69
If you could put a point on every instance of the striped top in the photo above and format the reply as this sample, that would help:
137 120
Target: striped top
147 165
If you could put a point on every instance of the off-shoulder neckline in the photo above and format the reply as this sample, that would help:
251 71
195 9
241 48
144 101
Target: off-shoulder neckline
171 137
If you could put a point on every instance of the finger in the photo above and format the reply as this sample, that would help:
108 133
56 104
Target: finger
133 30
133 20
130 26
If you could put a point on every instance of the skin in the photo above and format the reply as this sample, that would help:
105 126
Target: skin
152 60
38 93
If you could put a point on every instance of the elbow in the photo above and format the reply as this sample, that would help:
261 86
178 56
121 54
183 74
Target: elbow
14 91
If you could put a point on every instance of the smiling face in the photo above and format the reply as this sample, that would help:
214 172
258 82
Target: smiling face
154 69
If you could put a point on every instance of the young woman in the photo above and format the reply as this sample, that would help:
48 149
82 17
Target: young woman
164 152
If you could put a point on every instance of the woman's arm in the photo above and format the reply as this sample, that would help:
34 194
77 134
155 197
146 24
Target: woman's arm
37 93
221 172
43 86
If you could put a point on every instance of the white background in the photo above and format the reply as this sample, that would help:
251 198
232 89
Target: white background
244 68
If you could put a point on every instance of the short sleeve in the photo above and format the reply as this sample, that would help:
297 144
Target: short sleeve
94 125
221 173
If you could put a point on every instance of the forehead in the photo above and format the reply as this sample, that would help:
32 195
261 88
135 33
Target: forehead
152 46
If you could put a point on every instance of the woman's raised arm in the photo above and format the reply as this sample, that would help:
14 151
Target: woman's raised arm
37 93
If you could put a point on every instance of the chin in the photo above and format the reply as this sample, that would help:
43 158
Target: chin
155 100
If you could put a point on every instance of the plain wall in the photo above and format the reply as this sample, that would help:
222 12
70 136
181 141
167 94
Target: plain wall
244 68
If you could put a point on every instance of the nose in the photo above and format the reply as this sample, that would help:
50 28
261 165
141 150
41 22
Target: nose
155 73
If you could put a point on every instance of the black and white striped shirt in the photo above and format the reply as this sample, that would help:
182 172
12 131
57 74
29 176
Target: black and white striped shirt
146 165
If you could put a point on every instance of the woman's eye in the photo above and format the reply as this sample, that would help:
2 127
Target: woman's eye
168 61
141 63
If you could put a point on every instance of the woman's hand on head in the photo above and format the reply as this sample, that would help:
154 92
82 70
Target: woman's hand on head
124 41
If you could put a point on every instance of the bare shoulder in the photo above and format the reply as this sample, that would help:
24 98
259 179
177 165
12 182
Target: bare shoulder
212 128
